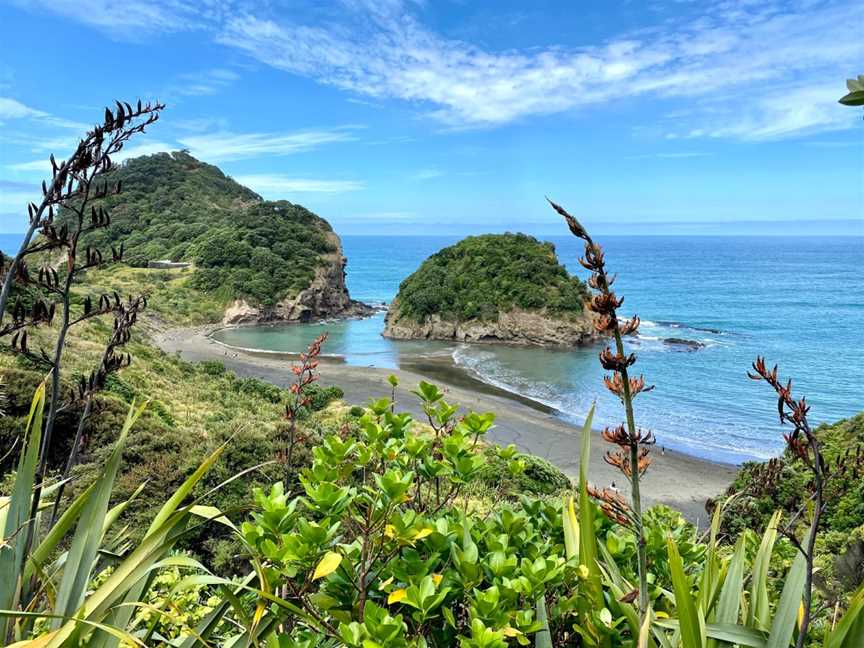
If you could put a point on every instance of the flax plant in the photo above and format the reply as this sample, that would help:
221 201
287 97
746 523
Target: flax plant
74 185
631 455
803 444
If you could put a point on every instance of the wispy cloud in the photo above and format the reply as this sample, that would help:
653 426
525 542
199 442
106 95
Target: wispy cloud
43 166
278 186
781 112
208 82
739 64
131 19
427 174
750 48
221 146
12 109
137 150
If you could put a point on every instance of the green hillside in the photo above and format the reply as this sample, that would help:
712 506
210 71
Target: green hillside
481 276
178 208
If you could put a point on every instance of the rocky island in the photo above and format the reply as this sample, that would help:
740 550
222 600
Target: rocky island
504 288
260 260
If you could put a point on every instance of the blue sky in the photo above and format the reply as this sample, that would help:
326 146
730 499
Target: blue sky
455 116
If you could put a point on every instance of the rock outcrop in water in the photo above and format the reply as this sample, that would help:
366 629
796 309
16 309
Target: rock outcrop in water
504 288
683 344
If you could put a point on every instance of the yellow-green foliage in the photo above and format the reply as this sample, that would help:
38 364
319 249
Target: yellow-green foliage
169 293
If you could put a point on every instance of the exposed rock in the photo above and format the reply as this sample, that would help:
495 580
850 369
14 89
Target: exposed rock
512 327
327 296
683 344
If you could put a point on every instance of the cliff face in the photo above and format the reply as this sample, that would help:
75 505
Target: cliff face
327 296
516 326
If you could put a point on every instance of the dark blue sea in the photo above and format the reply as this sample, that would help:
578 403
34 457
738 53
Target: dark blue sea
798 301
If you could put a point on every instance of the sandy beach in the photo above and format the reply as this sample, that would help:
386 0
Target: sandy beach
675 479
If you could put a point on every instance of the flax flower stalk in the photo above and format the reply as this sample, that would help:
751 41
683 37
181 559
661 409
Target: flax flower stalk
804 445
631 454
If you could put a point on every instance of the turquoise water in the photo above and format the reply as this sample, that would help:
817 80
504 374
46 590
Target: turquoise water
798 301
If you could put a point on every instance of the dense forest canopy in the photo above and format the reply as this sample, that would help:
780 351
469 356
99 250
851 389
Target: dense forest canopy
179 208
481 276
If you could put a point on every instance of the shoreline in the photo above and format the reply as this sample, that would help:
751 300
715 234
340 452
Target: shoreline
678 480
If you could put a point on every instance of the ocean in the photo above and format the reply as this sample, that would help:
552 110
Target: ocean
798 301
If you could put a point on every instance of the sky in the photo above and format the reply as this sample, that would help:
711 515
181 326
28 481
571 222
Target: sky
459 116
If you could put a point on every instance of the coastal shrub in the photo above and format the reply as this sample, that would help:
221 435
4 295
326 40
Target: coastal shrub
382 541
212 367
114 384
257 388
321 396
483 275
536 477
84 583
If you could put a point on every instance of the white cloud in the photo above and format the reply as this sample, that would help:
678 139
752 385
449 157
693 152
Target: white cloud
427 174
222 146
747 48
277 186
796 110
13 109
137 150
204 83
131 18
44 166
723 58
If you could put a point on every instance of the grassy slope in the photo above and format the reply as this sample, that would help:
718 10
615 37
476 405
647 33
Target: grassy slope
171 294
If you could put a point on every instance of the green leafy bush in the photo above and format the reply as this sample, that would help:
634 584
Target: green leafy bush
483 275
536 476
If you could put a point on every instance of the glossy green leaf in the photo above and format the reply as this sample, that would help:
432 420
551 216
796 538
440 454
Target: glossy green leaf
691 632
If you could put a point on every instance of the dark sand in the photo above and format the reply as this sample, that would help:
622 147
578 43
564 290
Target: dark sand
675 479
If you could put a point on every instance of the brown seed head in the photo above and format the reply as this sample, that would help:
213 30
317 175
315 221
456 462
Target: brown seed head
631 326
614 362
605 303
572 223
613 504
617 435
